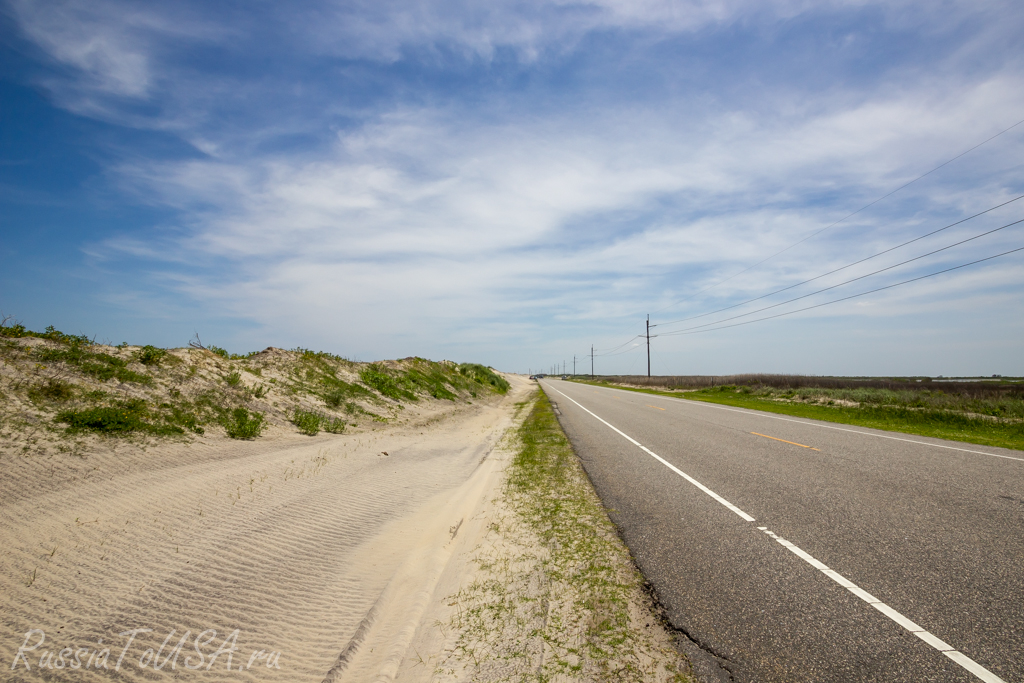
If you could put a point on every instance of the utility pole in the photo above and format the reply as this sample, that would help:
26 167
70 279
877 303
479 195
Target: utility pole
574 365
591 361
648 345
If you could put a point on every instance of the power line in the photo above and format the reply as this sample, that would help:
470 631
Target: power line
846 298
616 348
711 326
850 265
882 270
619 353
832 225
613 350
866 206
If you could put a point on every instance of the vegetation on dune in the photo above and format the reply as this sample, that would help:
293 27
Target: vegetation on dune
16 330
439 380
310 422
102 366
484 375
122 417
241 424
151 355
68 384
387 383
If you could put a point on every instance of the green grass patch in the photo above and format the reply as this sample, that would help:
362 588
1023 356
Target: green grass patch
333 425
561 611
337 392
386 383
927 413
55 390
433 379
102 366
483 375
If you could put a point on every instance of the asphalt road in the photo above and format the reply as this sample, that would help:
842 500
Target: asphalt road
796 550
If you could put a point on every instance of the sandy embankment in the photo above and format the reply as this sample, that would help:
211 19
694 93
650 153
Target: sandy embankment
323 553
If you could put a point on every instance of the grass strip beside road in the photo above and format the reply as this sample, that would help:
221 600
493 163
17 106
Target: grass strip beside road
940 424
557 596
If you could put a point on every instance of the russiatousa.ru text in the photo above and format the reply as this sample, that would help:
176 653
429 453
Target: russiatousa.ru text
200 652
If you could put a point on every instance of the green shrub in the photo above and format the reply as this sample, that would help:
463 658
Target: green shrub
241 424
311 422
151 355
223 353
119 419
108 419
234 379
14 330
307 421
61 338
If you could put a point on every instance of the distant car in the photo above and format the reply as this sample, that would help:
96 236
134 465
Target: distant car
565 376
533 376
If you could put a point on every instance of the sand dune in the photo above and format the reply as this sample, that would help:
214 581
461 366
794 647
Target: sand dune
308 557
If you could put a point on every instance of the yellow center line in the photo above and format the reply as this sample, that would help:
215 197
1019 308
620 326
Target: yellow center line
656 407
784 441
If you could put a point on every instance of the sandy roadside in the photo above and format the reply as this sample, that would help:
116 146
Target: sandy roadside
314 555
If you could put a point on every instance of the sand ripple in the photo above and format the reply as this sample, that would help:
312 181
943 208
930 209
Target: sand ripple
291 541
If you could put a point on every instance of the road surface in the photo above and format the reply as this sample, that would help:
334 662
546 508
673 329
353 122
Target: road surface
795 550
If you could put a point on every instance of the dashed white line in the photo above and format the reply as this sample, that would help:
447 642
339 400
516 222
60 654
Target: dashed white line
945 648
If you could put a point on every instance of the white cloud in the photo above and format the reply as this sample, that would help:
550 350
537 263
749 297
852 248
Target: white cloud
492 216
416 222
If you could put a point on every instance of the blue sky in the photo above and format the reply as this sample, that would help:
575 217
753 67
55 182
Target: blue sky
512 182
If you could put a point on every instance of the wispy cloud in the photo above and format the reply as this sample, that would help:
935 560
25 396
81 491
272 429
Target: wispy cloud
437 178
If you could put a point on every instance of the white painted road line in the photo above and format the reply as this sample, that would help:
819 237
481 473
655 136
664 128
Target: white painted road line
751 411
945 648
667 464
